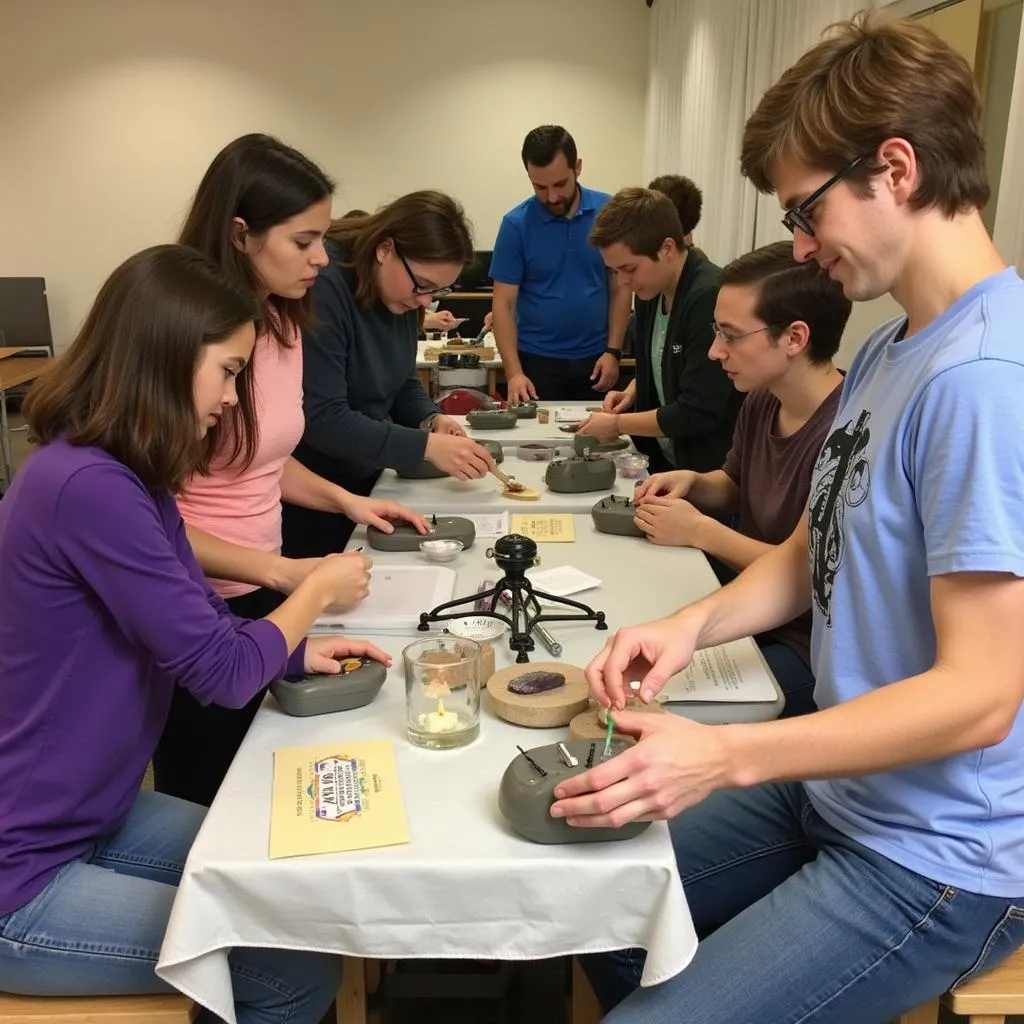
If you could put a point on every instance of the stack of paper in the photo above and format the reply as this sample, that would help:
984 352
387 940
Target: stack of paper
398 593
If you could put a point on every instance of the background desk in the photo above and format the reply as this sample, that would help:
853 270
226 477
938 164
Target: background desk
12 373
495 370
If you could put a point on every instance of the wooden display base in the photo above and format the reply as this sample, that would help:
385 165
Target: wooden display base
485 352
546 710
587 724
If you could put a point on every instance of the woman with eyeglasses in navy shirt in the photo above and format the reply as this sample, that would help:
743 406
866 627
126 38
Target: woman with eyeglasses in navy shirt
366 409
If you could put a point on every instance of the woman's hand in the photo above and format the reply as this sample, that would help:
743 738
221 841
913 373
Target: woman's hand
324 654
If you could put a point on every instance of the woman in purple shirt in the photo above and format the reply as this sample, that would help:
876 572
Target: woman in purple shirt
104 611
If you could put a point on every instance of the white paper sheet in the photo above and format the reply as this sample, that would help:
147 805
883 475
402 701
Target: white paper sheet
398 593
562 581
569 413
487 525
731 672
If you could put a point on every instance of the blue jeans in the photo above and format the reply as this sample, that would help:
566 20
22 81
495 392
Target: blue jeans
795 679
97 927
799 923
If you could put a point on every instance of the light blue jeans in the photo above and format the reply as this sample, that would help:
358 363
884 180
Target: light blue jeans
798 923
97 927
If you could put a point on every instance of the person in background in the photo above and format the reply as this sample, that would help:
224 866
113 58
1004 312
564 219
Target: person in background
365 406
688 201
778 323
104 612
853 864
680 408
260 212
559 321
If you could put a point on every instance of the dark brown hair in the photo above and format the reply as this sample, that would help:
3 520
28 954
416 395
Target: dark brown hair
639 218
788 291
866 82
686 197
126 384
427 226
264 182
543 144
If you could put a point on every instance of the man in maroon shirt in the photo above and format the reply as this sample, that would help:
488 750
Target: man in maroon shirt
778 323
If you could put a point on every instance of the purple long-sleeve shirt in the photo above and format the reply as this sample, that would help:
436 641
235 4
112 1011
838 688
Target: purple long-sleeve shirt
103 610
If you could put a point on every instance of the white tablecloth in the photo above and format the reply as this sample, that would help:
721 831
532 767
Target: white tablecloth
466 885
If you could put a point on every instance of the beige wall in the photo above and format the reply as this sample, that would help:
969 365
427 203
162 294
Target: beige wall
111 109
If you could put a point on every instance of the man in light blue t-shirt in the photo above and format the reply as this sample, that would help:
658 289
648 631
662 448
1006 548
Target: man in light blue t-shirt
559 321
854 863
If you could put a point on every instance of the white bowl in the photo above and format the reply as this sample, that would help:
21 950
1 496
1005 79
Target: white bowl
440 550
476 627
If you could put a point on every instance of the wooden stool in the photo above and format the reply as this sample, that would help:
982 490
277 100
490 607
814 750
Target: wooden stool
986 999
161 1009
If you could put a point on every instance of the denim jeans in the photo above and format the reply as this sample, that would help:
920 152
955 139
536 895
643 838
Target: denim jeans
799 923
795 679
97 927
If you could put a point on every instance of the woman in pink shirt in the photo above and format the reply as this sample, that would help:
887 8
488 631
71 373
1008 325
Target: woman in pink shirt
261 211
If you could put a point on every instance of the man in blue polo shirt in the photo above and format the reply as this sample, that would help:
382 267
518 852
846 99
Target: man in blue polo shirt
559 322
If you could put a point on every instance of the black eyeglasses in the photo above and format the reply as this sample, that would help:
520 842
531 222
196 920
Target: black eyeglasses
796 216
421 289
730 338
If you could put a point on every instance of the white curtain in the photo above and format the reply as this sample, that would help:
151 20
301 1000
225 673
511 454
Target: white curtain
1008 230
710 62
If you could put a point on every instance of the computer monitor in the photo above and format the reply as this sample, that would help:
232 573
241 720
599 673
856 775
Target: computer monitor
475 277
24 314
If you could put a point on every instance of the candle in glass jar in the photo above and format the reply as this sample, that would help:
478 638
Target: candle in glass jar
439 720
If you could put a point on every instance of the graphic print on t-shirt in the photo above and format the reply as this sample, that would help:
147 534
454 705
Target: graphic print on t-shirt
841 478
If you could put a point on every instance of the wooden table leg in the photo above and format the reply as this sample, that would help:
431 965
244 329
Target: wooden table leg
585 1007
927 1014
424 373
350 1001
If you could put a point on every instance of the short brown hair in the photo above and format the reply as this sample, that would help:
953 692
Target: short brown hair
639 218
866 82
788 291
686 197
427 226
126 383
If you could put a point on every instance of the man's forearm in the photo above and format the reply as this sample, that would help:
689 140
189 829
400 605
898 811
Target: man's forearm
730 546
773 590
620 302
301 486
714 493
505 337
924 718
222 560
639 424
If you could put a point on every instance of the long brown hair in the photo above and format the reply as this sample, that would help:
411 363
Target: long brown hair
264 182
426 226
126 383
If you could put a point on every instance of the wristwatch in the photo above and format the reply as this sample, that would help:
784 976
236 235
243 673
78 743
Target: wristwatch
617 352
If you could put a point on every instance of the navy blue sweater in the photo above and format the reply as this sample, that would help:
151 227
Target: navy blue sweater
363 401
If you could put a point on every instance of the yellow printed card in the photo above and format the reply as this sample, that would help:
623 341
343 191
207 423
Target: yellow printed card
329 799
558 528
